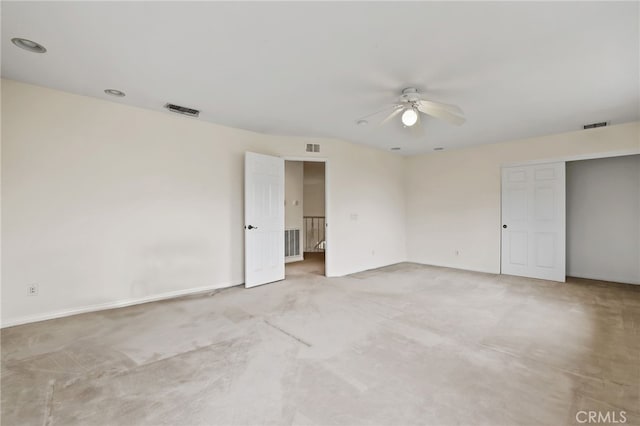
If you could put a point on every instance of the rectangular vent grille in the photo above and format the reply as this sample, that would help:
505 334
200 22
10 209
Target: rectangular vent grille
313 147
291 242
182 110
594 125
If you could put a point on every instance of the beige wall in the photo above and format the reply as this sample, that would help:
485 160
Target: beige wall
293 194
105 204
314 189
453 197
294 200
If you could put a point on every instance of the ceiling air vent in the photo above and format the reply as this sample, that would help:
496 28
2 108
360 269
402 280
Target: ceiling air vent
594 125
182 110
313 147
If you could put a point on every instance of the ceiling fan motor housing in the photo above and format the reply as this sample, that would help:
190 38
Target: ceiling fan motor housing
410 95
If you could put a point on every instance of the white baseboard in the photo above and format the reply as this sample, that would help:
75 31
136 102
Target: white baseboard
111 305
294 258
617 280
458 267
367 268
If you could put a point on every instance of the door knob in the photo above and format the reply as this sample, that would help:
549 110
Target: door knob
504 226
252 227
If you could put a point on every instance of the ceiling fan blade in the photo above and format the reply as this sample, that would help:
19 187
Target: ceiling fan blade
441 114
448 107
385 109
398 109
417 130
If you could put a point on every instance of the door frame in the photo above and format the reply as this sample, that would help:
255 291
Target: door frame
564 159
327 221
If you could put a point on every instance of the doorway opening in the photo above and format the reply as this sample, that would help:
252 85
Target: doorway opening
603 219
305 218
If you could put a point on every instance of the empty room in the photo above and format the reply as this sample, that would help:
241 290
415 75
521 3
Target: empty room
320 213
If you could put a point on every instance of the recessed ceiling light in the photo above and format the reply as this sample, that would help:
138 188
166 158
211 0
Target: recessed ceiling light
29 45
114 92
362 122
439 148
395 148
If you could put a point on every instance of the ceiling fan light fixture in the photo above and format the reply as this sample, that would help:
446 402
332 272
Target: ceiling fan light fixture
409 117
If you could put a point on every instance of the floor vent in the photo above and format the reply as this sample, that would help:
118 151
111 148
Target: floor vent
313 147
291 242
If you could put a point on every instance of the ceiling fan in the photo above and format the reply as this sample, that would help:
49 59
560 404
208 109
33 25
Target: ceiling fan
411 103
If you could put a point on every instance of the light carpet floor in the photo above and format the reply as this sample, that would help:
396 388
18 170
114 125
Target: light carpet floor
402 345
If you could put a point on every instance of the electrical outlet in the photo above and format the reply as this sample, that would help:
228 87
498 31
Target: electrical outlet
32 290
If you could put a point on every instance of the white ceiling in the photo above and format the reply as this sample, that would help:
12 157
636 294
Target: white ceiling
516 69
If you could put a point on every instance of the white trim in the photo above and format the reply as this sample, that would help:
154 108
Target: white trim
328 259
606 279
290 259
313 159
112 305
590 156
453 266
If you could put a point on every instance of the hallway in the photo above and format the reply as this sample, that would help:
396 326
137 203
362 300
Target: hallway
313 264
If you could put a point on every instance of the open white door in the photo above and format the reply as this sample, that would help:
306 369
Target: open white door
263 219
533 221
